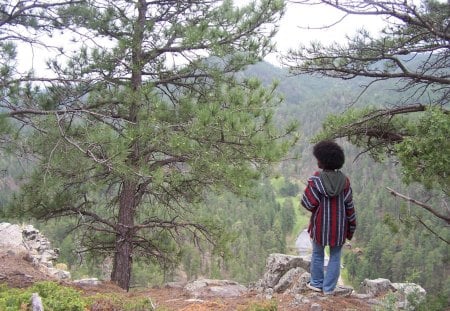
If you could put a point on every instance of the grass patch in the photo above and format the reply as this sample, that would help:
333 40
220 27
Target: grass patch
56 297
269 305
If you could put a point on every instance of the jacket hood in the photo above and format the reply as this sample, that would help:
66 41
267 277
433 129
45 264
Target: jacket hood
333 182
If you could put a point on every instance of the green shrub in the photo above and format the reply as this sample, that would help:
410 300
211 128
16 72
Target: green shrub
54 297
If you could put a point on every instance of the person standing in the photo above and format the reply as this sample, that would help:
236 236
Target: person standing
328 196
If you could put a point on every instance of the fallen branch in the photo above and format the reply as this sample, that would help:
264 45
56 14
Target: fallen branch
421 204
432 231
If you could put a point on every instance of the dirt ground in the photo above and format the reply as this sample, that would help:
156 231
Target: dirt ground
18 271
174 300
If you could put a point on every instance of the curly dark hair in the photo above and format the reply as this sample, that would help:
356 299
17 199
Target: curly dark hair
329 155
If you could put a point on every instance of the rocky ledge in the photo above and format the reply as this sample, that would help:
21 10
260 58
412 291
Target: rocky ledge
285 276
28 242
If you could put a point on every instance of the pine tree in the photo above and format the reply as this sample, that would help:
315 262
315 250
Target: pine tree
143 118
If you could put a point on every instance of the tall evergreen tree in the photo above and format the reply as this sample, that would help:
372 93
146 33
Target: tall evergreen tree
144 117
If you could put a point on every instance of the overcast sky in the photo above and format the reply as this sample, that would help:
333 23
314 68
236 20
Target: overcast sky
292 30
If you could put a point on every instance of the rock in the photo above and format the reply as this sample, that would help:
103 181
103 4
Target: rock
11 238
287 279
87 282
316 307
203 288
179 285
36 302
376 287
284 273
361 296
268 293
409 294
59 274
343 291
299 284
35 248
300 302
279 264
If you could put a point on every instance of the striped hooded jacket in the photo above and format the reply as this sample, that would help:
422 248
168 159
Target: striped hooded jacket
333 217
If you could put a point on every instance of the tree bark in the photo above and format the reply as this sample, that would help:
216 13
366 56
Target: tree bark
128 198
123 256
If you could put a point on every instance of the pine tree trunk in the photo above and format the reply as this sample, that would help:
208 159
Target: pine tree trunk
121 272
128 200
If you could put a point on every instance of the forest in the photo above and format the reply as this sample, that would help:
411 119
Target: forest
394 242
267 220
145 169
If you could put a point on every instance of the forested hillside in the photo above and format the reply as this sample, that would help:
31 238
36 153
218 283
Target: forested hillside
394 243
400 241
155 146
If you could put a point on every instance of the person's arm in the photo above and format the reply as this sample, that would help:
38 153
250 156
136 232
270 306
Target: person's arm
350 211
311 197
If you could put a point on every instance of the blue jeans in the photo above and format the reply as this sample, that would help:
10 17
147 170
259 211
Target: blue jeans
327 281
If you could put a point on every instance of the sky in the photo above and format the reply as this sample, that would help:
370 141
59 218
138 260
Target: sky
291 31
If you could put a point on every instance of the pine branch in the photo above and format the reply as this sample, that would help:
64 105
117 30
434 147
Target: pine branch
421 204
432 231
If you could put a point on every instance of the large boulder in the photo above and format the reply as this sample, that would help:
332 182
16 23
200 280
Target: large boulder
294 280
406 294
278 265
409 294
283 273
36 248
376 287
204 288
11 238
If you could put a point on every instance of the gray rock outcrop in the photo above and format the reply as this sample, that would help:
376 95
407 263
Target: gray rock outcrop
283 273
204 288
36 302
376 287
27 240
87 282
287 274
11 238
405 293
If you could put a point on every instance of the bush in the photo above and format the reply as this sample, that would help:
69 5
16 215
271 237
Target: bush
56 297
